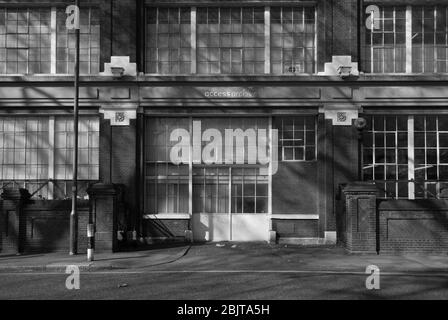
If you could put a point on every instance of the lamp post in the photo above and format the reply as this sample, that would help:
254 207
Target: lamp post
74 212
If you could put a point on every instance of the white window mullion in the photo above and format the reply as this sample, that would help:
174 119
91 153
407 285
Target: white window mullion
408 39
230 205
267 40
53 40
372 51
89 60
315 40
435 41
271 159
383 50
190 173
438 158
193 40
394 53
51 156
411 158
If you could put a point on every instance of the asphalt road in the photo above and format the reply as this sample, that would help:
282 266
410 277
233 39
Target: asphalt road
178 285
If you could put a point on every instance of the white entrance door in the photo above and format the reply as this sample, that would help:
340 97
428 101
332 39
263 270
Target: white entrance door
230 204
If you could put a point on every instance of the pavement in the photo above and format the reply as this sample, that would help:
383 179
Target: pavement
231 258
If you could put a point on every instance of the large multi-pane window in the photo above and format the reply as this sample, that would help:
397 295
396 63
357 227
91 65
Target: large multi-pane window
429 40
248 190
166 183
297 138
168 40
25 40
88 148
293 32
89 47
407 39
215 188
386 45
37 153
231 40
407 155
35 41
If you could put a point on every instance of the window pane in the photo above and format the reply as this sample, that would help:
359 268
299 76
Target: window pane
234 38
169 31
292 40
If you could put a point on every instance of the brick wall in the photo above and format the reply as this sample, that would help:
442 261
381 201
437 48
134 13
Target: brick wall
124 167
118 159
124 28
345 28
392 226
413 226
296 228
165 230
44 227
356 218
8 239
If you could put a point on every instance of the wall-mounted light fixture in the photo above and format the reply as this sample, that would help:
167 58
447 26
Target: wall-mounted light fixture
117 72
345 71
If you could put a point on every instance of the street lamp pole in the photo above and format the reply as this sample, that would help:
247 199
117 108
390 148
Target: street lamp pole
74 212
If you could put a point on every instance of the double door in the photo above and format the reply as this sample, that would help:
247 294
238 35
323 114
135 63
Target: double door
230 203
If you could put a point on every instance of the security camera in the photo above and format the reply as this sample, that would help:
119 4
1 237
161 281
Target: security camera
360 123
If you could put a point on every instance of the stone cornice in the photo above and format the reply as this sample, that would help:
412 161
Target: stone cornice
204 79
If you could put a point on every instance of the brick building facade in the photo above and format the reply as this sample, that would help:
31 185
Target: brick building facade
355 90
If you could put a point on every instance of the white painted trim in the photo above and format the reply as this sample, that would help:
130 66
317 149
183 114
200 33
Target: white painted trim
167 216
230 204
190 172
316 39
340 115
127 110
53 40
267 40
51 156
295 216
408 39
331 237
193 57
271 159
304 241
411 157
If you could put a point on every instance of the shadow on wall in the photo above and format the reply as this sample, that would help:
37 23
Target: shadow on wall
44 227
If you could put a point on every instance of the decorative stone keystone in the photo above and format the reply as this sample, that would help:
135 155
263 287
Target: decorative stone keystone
119 115
341 115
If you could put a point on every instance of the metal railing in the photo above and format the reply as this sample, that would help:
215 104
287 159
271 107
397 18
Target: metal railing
47 189
421 188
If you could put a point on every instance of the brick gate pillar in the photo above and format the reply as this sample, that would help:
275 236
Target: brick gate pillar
359 219
12 234
104 206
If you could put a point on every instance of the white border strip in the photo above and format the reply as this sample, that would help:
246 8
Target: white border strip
167 216
186 216
295 216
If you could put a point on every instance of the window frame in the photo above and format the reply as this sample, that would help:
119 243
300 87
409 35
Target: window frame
267 37
281 139
415 189
54 11
410 68
50 184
